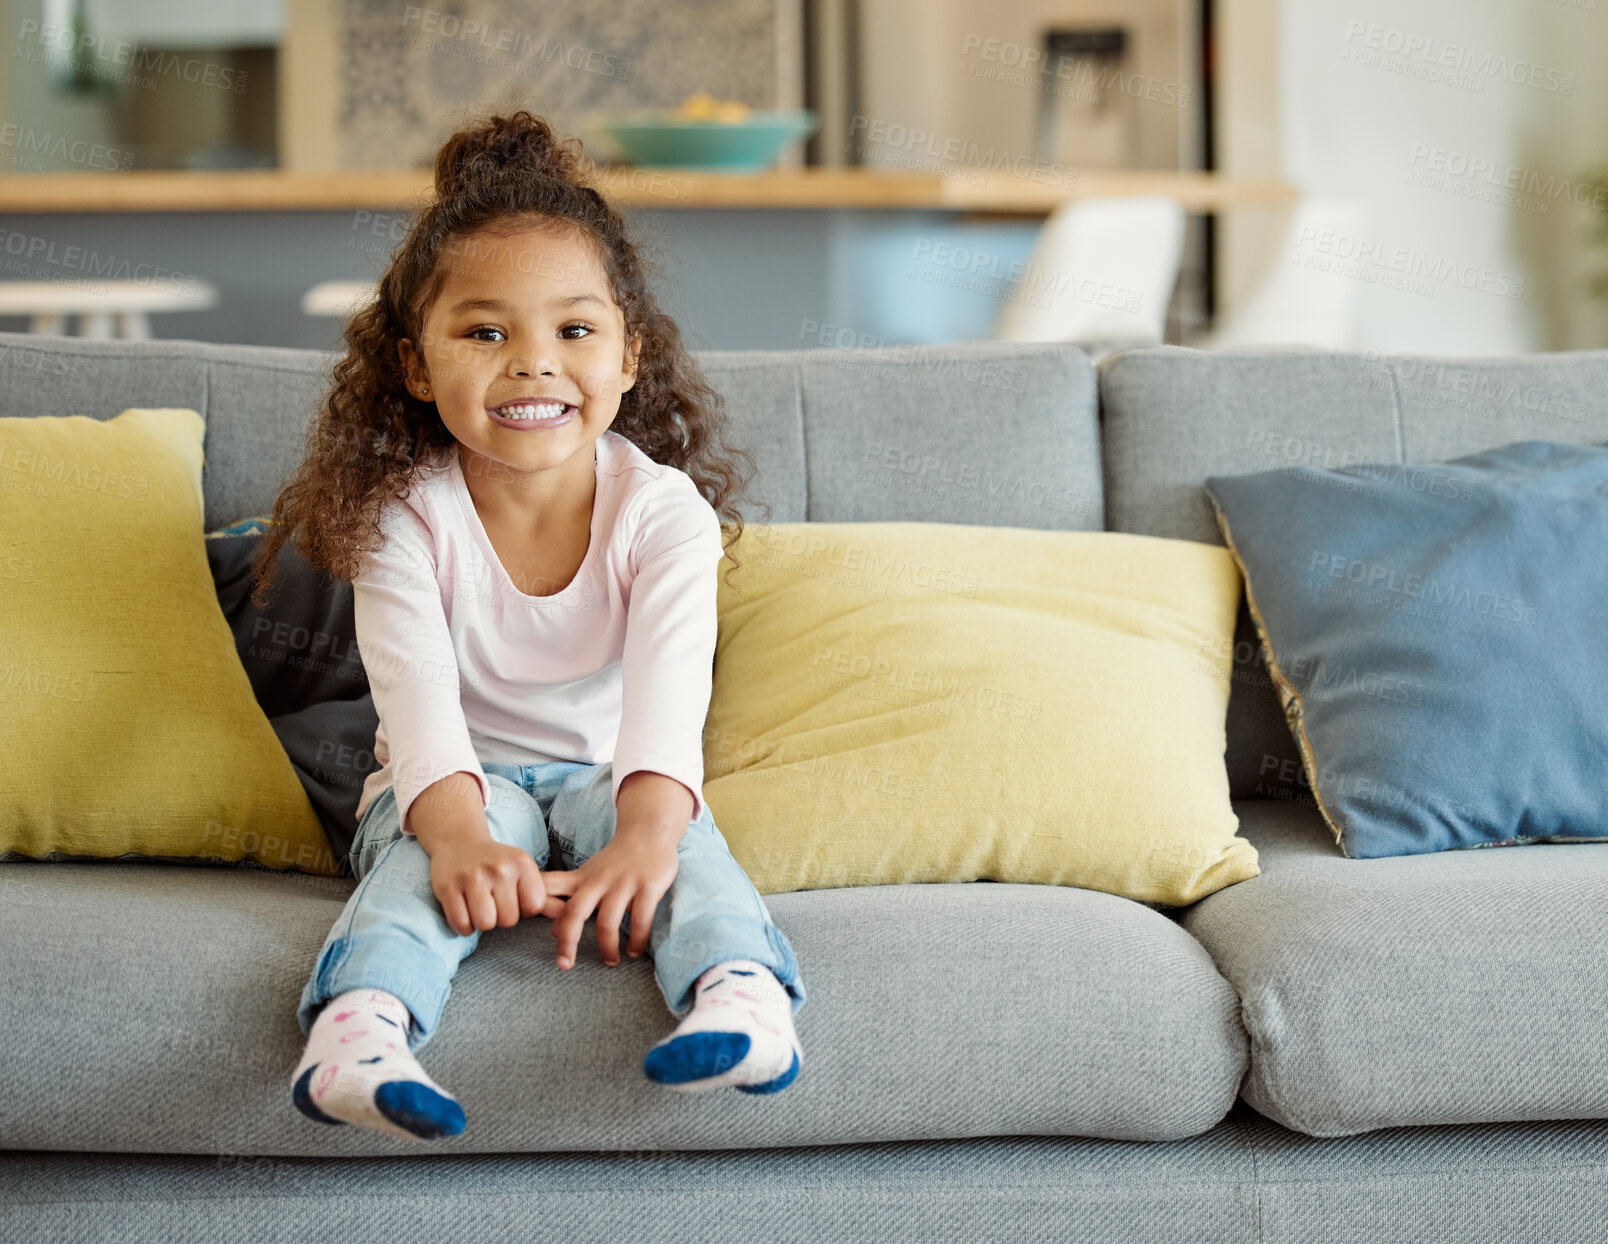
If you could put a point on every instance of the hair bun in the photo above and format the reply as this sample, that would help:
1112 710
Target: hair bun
521 143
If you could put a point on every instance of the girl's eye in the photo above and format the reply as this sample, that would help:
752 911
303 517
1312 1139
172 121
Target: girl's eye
487 328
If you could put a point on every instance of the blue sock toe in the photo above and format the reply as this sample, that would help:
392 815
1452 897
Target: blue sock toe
303 1097
695 1056
419 1108
776 1085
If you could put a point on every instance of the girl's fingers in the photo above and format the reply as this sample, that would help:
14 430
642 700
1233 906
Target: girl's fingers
457 914
642 913
532 894
482 908
609 914
569 928
505 892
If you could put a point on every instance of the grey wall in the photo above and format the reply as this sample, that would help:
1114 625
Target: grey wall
732 279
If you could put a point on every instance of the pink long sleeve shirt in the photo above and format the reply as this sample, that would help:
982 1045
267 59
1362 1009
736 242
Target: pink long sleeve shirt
466 668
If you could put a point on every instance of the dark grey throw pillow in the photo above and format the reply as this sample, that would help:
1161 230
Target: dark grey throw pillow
301 656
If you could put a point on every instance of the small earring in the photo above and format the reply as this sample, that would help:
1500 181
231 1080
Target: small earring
424 388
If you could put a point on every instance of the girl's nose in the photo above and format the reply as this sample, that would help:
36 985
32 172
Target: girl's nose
527 358
533 362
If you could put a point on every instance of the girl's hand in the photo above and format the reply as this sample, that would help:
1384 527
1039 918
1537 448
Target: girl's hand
632 871
482 883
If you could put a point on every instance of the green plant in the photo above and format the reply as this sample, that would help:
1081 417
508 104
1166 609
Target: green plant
1595 179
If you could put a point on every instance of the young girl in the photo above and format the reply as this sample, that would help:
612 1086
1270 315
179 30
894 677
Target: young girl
514 469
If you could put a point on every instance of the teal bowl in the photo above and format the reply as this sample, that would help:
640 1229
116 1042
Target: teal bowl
654 138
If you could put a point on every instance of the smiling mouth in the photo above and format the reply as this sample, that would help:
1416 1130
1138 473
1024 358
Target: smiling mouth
533 414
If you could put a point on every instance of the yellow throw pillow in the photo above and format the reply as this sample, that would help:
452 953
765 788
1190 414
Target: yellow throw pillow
127 722
929 702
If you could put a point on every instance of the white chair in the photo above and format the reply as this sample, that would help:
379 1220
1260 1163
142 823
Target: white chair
104 308
1303 300
1101 273
337 298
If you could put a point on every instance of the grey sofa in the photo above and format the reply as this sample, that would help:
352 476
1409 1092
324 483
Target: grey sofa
1379 1050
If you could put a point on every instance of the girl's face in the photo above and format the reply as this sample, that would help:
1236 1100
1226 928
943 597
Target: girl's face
524 316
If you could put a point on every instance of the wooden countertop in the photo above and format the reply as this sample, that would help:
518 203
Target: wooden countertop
964 190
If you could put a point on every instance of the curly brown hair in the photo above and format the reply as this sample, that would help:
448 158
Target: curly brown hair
371 436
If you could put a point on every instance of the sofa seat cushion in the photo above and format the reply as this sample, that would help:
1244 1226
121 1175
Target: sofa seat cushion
936 1012
1449 988
1245 1180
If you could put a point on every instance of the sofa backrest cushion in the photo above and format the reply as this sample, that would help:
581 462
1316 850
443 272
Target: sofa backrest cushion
1172 416
983 433
989 434
255 400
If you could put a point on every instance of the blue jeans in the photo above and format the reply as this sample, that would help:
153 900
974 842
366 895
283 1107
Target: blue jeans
392 934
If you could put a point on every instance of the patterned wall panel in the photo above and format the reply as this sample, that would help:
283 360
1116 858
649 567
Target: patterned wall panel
414 73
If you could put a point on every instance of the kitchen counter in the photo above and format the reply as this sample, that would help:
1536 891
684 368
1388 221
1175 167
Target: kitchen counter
966 190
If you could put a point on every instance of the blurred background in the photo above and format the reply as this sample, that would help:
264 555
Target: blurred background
1393 175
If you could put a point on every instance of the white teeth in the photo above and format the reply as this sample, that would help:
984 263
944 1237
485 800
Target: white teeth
527 410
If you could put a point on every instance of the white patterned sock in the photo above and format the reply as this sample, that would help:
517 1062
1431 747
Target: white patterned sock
739 1032
358 1069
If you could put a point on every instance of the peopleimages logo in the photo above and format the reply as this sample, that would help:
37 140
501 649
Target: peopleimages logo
1404 266
864 130
1439 53
132 61
1514 177
478 42
1377 577
1477 391
31 248
28 142
1025 277
1021 65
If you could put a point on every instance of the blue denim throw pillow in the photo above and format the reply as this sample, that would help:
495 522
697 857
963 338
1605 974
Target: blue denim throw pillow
1439 637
